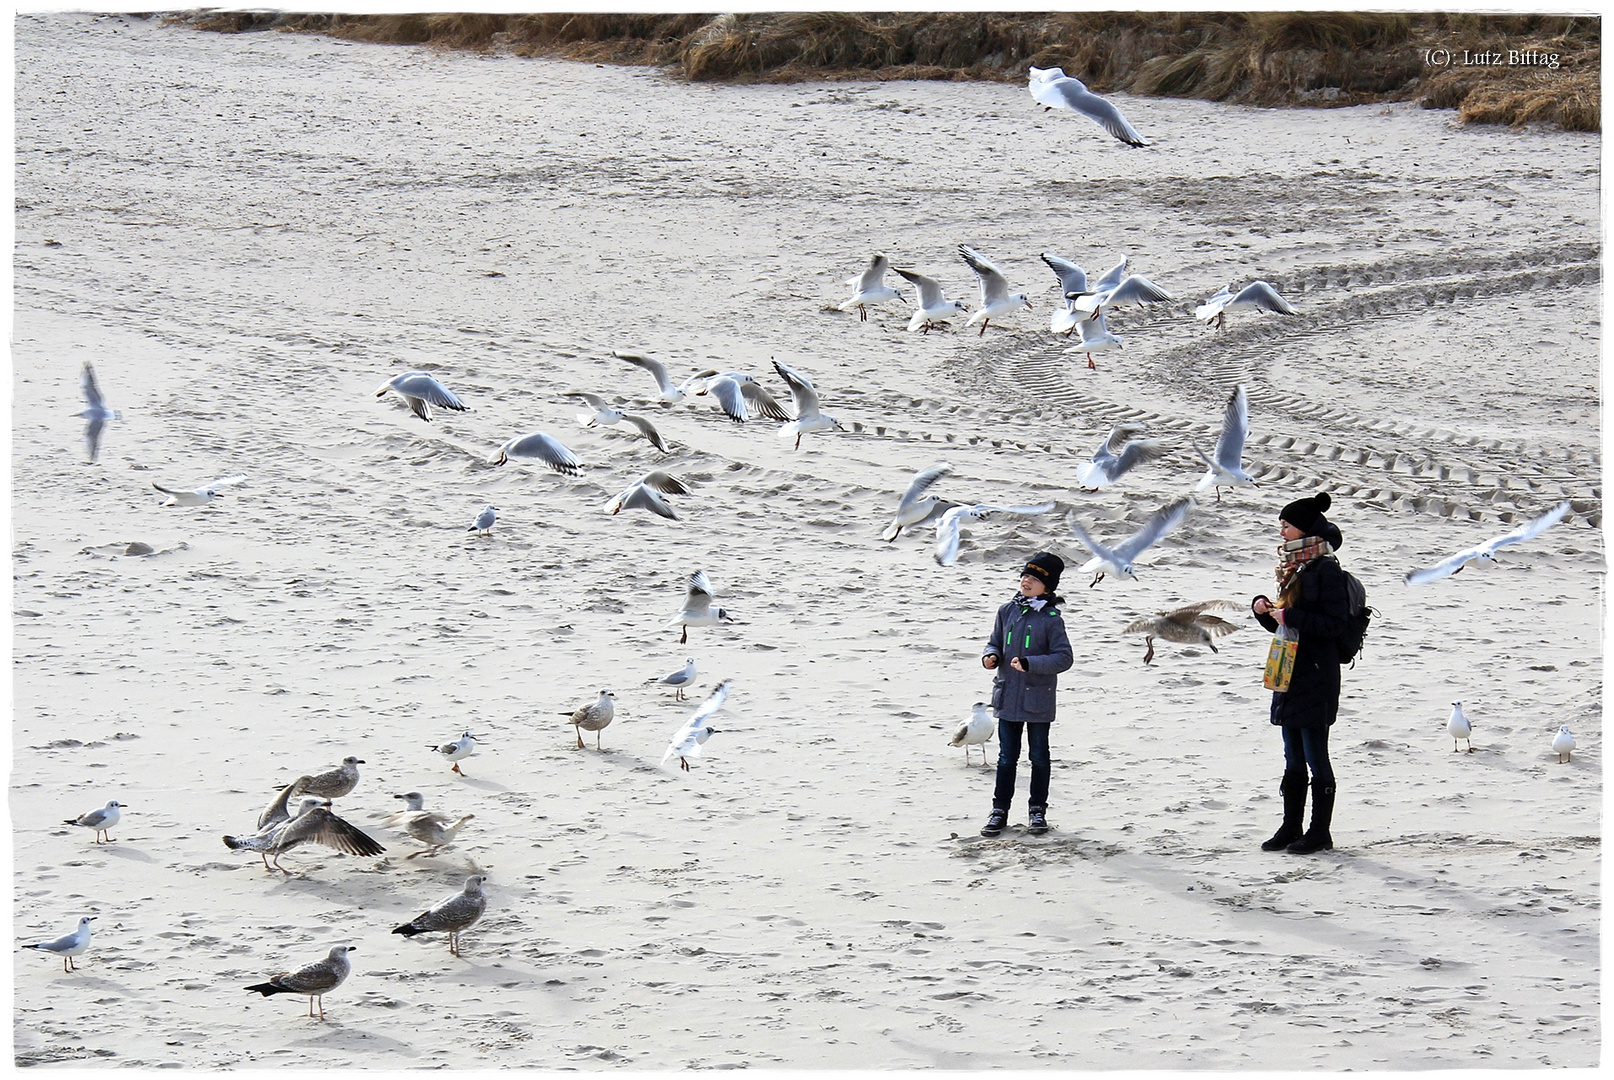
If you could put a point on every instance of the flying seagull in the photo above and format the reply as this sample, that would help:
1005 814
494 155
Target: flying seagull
1189 625
1053 89
421 392
871 288
95 411
1227 467
1487 551
1119 559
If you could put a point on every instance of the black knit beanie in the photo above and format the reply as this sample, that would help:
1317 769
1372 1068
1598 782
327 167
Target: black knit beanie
1307 514
1046 567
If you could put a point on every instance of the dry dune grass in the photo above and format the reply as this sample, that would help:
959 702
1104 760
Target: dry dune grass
1259 58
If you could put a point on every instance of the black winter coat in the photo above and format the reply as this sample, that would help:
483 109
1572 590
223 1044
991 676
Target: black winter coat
1039 639
1319 614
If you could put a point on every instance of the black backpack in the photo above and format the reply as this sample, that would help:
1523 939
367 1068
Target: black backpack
1356 623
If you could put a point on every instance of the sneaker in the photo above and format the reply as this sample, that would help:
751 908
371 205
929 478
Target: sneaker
995 822
1038 821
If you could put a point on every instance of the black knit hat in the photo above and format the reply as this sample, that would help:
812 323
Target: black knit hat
1307 514
1046 567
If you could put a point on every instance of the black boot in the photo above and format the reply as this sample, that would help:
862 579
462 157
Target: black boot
1293 787
1322 815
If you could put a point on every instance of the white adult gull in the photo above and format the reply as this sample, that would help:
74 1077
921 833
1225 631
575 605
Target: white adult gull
697 609
483 525
678 680
1563 744
457 750
1227 467
539 446
808 417
1120 558
646 493
666 390
95 411
1487 550
739 395
934 309
1121 451
606 415
996 300
1256 296
101 819
1095 337
916 507
871 288
974 730
197 496
688 739
1072 284
1053 89
1459 727
421 392
947 527
68 945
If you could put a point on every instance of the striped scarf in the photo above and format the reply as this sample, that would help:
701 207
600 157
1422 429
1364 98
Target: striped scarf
1293 554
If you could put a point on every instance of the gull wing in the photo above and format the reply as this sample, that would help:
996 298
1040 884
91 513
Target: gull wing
756 395
1136 453
1072 278
1444 568
1076 97
647 429
1112 277
930 292
870 278
665 482
1235 429
320 826
1116 440
421 385
1103 553
1262 295
698 591
729 397
657 369
947 534
276 810
641 497
226 481
922 483
91 388
994 287
1214 305
92 437
1529 529
1135 290
594 400
801 390
714 702
1163 521
545 448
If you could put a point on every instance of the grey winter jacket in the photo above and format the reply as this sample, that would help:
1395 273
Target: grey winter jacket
1038 638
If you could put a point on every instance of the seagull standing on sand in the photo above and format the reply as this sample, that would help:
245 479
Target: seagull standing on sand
197 496
915 507
1228 468
457 750
1095 337
645 494
1487 551
70 945
334 783
316 979
539 446
1563 744
1256 296
1053 89
421 391
678 680
314 823
101 820
1118 560
452 914
595 717
1121 451
996 300
483 525
975 731
1458 727
871 288
688 739
947 538
808 418
934 309
698 609
95 411
1188 625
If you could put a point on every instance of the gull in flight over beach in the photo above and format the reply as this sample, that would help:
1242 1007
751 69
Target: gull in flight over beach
808 418
688 739
95 411
70 945
1095 337
1256 296
1189 625
197 496
313 823
1563 744
1487 551
421 392
646 493
996 300
915 507
1121 451
452 914
1128 289
607 415
698 609
934 309
1053 89
871 288
1119 559
484 521
976 730
101 819
539 446
1228 468
316 979
1072 284
1459 728
678 680
666 390
457 750
953 517
595 717
739 395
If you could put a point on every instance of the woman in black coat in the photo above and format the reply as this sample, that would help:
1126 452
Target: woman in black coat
1031 634
1310 616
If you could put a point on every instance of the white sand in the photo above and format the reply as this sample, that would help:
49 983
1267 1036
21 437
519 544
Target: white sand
251 233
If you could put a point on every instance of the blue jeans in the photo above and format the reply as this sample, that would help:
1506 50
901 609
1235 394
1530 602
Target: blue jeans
1009 757
1308 748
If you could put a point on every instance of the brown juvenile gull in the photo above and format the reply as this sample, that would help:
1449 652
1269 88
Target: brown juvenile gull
100 819
278 808
1189 625
313 823
335 783
316 979
452 914
593 717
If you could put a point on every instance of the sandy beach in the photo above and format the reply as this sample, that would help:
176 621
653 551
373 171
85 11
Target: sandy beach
246 235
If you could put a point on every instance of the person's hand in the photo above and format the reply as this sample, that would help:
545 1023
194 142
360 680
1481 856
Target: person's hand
1262 605
989 661
1018 664
1277 613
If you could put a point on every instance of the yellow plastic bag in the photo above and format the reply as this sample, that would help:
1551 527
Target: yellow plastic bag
1281 660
